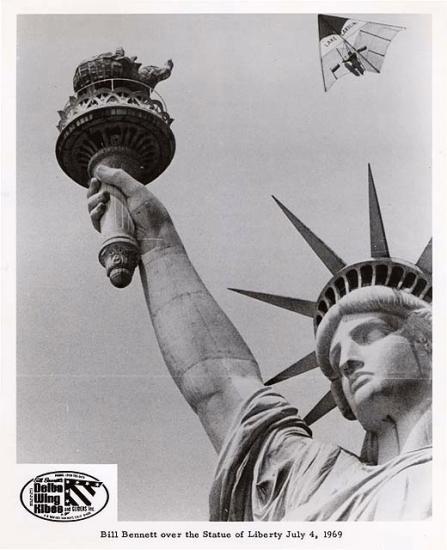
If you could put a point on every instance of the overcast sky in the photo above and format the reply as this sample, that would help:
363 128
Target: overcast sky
251 120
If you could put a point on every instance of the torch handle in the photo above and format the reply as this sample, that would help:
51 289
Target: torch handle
116 218
119 253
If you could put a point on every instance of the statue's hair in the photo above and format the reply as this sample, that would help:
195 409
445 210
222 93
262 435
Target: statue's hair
417 325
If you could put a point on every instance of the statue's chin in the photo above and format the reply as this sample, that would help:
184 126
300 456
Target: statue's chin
369 407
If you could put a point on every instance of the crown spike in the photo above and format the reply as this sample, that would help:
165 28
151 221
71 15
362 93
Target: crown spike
304 307
325 405
379 245
425 260
305 364
326 255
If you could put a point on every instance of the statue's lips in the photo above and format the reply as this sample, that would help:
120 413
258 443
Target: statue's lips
358 380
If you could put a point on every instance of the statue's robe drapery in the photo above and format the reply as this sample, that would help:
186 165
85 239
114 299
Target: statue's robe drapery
270 468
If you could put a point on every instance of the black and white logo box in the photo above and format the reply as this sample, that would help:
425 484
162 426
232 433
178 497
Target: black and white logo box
64 496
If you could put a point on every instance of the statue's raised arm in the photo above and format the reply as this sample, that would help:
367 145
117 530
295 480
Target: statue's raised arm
205 354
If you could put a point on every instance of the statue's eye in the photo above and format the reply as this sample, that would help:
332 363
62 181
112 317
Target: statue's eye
375 333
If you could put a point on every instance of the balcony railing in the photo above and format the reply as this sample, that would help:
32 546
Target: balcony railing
120 91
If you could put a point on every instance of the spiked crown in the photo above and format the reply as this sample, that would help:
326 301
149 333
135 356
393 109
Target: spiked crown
381 270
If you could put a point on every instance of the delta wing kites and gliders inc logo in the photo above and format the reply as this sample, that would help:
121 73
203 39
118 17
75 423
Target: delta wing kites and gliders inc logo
64 496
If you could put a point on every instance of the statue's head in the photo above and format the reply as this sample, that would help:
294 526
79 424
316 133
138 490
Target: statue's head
374 345
372 323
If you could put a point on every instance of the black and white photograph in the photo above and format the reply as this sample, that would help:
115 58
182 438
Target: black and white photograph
223 273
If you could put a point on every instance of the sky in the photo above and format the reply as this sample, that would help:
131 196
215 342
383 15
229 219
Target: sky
251 120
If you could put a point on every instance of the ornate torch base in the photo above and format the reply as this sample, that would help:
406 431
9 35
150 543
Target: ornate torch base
120 257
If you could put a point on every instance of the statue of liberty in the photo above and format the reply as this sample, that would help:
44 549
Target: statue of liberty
372 326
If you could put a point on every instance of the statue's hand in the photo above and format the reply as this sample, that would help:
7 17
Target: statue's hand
153 225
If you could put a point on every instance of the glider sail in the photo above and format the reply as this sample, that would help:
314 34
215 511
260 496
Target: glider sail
352 46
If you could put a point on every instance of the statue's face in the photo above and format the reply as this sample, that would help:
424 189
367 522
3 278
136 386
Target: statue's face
382 374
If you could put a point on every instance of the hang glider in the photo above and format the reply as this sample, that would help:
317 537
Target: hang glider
350 46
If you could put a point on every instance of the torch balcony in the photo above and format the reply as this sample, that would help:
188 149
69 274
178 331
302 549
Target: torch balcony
117 91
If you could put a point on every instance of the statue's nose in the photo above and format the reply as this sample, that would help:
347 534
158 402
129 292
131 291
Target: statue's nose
350 358
350 366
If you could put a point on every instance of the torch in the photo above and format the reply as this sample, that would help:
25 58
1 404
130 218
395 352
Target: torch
116 119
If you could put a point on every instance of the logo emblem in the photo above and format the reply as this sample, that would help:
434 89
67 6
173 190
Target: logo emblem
64 496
